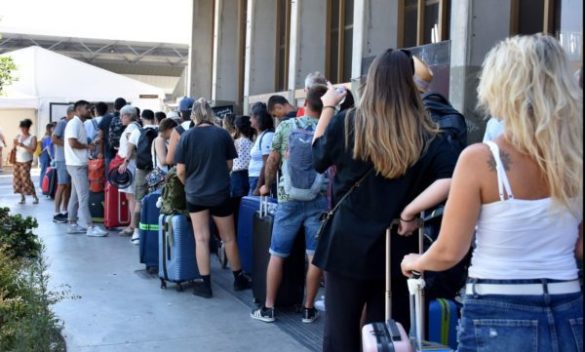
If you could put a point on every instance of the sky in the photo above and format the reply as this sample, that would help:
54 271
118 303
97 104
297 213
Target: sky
167 21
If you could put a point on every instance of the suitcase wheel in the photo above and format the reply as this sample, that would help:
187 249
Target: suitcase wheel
179 287
163 284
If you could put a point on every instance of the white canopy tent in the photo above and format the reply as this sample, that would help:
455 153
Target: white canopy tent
45 78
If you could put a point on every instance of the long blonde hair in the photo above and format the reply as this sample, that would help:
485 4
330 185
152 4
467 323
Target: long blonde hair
202 112
526 82
392 127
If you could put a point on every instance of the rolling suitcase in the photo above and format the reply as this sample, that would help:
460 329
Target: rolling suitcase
292 287
390 335
49 185
248 207
116 212
442 320
176 251
148 229
96 206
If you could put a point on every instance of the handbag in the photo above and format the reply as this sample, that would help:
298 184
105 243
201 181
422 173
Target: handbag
156 178
327 216
12 156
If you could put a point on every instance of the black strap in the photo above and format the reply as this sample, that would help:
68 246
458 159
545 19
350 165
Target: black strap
348 193
164 249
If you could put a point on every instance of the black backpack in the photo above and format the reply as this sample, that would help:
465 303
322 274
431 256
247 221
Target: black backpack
144 147
115 131
451 122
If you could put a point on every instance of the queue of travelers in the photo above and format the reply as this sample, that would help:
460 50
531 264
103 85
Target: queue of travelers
514 201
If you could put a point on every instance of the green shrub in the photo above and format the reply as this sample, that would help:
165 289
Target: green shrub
17 236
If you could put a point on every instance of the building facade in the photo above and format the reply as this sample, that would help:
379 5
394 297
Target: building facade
243 51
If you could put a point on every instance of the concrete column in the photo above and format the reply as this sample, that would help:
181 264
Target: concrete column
201 51
376 27
475 29
307 40
260 47
226 51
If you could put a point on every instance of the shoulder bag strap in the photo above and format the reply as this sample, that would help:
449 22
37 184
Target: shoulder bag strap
349 192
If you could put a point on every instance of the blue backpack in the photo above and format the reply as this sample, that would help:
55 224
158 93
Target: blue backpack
300 179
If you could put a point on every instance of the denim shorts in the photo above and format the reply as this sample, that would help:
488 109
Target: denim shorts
63 177
527 323
289 218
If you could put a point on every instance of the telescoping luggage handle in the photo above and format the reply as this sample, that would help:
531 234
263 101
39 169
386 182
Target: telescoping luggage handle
415 287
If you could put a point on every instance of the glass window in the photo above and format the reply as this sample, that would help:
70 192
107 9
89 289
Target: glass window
410 23
425 25
531 16
282 36
340 40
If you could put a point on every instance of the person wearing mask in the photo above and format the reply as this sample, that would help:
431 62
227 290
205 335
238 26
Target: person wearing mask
204 158
47 151
103 139
280 108
127 151
25 144
263 123
293 214
76 159
63 193
185 108
523 194
410 164
243 140
136 137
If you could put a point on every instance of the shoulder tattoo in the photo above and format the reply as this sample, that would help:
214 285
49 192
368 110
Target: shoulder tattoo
504 157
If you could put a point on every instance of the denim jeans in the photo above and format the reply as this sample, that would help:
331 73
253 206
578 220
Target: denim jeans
531 323
289 218
45 162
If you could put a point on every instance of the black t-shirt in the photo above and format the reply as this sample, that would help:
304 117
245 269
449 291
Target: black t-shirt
205 152
104 125
354 244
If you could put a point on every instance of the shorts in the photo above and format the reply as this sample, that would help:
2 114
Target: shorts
63 177
140 184
289 218
222 210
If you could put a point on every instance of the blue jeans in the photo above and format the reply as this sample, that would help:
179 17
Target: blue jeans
45 162
522 323
289 218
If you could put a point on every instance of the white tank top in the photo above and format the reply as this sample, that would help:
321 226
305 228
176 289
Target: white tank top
523 239
23 155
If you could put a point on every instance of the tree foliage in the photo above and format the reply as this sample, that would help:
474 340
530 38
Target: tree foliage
7 68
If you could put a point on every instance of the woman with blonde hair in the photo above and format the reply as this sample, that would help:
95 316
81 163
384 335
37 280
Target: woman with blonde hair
389 149
524 192
204 158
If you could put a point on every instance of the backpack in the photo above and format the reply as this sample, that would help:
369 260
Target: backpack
115 132
144 147
300 179
173 196
451 122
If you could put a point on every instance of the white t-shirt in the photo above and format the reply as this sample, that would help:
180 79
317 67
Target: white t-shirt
75 129
23 155
90 127
125 139
262 146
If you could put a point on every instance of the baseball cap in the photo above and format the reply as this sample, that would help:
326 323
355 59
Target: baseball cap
186 104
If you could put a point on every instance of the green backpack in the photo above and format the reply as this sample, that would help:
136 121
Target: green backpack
173 196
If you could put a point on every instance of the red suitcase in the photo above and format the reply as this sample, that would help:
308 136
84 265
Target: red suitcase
116 212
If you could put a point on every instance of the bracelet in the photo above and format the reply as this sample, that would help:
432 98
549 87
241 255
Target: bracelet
411 220
330 107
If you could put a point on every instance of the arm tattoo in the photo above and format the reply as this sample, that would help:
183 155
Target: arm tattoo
270 170
504 157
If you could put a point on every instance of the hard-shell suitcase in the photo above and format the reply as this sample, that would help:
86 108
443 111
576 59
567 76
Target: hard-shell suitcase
248 207
442 320
116 212
292 287
390 335
148 229
96 206
176 251
49 185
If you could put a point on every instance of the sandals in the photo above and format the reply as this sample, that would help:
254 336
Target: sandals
126 232
22 201
35 200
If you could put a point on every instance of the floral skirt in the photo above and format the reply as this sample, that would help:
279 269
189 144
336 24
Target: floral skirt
22 182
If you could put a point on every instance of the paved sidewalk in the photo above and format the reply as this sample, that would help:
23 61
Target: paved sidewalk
121 309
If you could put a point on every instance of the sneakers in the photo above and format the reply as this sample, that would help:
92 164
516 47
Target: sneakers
60 218
320 304
95 231
201 289
310 315
75 229
242 282
135 240
263 314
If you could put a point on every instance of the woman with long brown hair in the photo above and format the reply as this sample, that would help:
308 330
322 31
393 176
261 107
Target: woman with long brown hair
390 146
25 145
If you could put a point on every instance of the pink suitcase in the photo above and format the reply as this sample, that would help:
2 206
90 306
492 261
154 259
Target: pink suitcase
389 335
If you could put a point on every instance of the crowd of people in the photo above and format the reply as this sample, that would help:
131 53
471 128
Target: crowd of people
516 199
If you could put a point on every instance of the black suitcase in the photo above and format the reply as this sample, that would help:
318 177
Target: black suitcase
291 291
96 206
